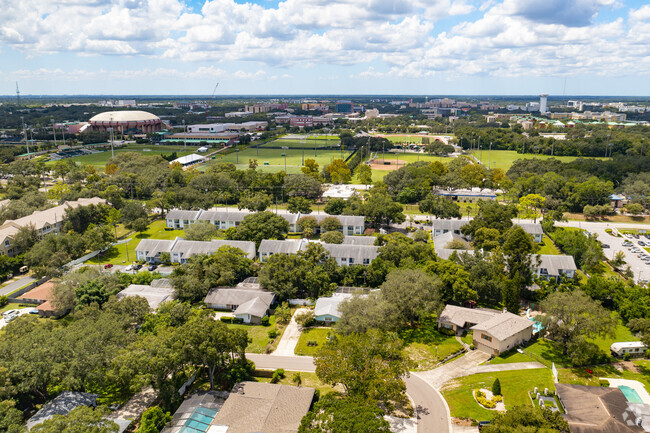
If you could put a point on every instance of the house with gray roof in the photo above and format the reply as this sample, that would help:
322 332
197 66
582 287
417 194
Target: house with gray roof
442 226
263 407
347 254
62 404
501 333
494 331
247 304
555 266
179 219
350 224
472 194
533 229
268 247
180 250
155 295
326 309
441 244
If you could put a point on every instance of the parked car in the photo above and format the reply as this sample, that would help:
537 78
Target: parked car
10 313
137 267
33 311
152 267
605 246
108 265
482 424
129 268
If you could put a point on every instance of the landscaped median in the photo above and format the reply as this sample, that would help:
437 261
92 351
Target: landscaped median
515 385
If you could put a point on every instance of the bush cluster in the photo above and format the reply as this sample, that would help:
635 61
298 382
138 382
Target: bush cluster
235 320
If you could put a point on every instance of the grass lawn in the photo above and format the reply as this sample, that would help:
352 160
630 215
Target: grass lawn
308 379
580 376
514 386
426 346
468 338
505 158
410 157
100 159
548 247
621 333
260 335
319 335
118 254
542 351
275 159
308 143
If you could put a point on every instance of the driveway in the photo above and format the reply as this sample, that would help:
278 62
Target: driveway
289 340
291 363
22 312
13 286
459 367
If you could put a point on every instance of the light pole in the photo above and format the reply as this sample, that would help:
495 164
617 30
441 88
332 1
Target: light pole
185 135
54 132
110 130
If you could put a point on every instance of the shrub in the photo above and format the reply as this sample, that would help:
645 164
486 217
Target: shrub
627 357
4 300
268 349
497 398
297 379
273 333
490 404
312 343
153 420
237 320
496 387
479 393
471 347
226 319
604 382
277 375
446 331
305 319
265 321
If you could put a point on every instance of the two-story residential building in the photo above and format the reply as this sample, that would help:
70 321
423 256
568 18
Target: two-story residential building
555 266
180 250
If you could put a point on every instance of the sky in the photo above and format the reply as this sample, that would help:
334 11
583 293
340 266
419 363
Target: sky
268 47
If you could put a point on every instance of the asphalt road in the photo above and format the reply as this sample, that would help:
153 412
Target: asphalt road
433 415
431 409
16 285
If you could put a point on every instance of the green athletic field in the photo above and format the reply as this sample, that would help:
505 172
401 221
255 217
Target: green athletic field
101 158
505 158
320 143
410 157
275 160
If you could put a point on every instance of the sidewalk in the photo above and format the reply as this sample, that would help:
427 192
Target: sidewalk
290 337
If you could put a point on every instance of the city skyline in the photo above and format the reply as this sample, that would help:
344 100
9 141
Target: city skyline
292 47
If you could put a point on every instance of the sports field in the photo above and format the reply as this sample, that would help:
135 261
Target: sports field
101 158
410 138
309 143
409 157
271 160
505 158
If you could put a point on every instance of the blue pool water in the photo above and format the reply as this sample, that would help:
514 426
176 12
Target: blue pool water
630 394
199 421
537 326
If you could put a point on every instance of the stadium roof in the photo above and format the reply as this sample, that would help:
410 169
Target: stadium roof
124 116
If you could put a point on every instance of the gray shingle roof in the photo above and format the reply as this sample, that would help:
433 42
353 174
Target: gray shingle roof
223 215
287 246
461 316
255 307
182 214
346 220
554 263
235 296
330 306
62 404
154 295
531 228
359 240
357 252
154 246
448 224
264 407
503 325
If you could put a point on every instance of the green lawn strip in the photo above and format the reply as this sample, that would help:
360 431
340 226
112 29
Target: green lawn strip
101 158
621 333
426 345
274 156
319 335
468 338
307 143
117 255
548 247
515 386
308 380
542 351
580 376
260 335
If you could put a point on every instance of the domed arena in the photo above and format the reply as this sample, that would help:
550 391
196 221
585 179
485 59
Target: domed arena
126 122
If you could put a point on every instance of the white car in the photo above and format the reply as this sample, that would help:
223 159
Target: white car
129 268
10 313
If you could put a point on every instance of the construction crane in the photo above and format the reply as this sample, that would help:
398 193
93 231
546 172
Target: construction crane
214 91
17 94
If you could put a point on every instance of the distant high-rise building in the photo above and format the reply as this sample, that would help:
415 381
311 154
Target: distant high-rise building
542 103
344 107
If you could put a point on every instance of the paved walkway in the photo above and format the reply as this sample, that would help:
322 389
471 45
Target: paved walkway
290 337
634 384
134 408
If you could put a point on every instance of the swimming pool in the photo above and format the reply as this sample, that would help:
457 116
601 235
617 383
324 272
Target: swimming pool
199 421
537 325
630 394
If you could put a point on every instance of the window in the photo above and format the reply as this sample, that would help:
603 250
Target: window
366 261
486 337
351 261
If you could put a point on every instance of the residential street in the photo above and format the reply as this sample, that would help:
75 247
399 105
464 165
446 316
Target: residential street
16 285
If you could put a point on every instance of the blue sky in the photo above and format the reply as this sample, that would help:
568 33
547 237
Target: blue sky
426 47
